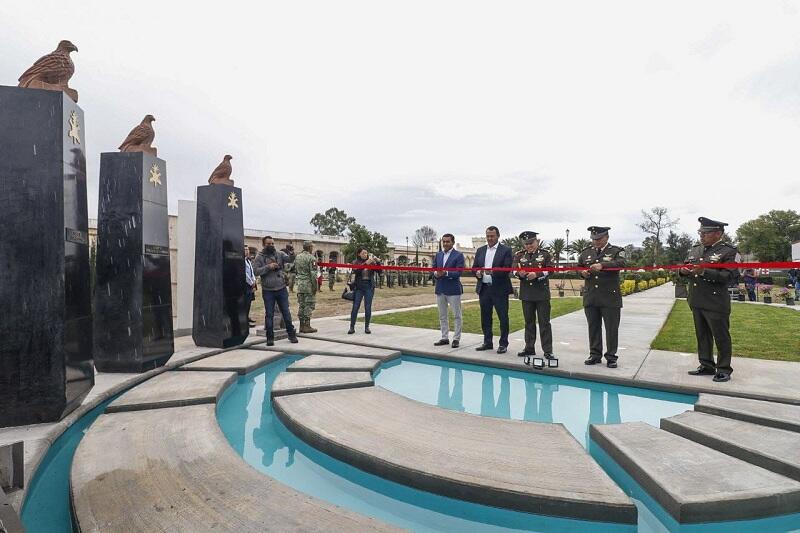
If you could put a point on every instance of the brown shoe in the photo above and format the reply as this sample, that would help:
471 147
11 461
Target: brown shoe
309 329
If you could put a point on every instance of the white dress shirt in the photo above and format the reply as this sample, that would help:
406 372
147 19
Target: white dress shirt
445 257
487 263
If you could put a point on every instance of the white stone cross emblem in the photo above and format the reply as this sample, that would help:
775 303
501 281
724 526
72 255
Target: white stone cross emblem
233 201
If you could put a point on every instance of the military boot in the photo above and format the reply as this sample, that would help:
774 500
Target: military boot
303 328
309 329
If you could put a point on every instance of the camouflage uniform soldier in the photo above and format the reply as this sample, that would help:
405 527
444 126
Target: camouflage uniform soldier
331 277
390 276
290 272
709 299
305 265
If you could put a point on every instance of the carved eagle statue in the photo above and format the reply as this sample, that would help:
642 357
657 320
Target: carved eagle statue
52 71
222 174
141 137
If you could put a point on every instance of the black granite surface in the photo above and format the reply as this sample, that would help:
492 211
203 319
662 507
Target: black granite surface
133 291
220 318
45 302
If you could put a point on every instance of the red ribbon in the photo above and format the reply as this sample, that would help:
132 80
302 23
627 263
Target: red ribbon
774 264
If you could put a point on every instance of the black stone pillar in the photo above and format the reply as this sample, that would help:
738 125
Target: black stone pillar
45 301
219 319
133 289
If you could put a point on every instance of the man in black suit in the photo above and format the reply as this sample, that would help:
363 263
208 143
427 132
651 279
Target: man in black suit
493 287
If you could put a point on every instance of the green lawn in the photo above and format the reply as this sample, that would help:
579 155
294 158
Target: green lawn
429 318
758 331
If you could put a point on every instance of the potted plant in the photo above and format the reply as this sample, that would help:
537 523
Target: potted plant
560 287
787 296
766 291
742 294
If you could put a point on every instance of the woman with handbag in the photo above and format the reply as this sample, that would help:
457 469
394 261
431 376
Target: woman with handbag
362 282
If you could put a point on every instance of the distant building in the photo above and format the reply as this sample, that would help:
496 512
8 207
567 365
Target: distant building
796 251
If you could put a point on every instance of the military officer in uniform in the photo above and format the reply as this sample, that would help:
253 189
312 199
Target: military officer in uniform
305 265
331 277
602 299
534 292
709 299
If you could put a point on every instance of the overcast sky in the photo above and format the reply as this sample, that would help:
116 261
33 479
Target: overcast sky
456 114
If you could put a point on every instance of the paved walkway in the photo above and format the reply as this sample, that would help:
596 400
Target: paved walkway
643 315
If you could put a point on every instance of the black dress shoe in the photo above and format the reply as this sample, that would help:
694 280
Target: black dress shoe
484 347
367 331
525 353
351 331
611 364
549 355
502 349
455 344
293 339
722 376
270 342
442 342
593 361
702 371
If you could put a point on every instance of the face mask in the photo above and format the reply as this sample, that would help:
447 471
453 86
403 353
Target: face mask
270 249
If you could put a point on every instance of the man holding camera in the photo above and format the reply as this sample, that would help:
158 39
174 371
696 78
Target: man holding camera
269 265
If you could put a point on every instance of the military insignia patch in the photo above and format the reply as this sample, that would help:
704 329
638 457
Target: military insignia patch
622 254
714 258
606 258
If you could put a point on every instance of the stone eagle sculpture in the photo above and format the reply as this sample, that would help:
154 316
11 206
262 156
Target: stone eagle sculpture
222 174
141 137
52 71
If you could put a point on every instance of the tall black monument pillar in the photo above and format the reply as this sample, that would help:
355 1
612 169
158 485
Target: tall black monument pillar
45 301
133 289
219 319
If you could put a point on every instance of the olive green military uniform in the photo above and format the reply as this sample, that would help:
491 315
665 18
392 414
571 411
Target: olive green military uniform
711 303
305 266
331 277
602 300
535 297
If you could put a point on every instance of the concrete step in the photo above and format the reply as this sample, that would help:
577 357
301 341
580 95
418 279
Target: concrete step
776 450
303 382
239 361
695 483
333 363
173 389
772 414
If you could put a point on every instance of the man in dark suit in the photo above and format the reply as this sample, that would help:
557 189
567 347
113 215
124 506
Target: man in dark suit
448 288
493 287
709 299
602 299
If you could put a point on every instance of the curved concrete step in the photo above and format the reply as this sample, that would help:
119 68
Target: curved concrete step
334 363
772 414
172 470
692 482
311 345
777 450
527 466
174 388
239 361
302 382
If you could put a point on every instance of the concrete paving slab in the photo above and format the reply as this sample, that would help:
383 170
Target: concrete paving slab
172 389
302 382
308 346
531 467
333 363
692 482
772 414
173 470
776 450
752 378
239 361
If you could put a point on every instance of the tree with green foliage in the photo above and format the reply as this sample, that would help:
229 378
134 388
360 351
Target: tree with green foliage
332 222
359 235
513 242
677 248
769 237
578 245
556 248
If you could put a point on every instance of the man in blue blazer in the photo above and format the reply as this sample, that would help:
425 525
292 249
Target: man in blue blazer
493 287
448 288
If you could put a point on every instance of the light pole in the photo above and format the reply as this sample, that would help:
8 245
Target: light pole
406 249
566 246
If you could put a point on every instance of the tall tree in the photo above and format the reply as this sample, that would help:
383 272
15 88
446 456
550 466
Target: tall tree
769 237
557 247
334 222
655 223
677 248
513 242
423 236
376 244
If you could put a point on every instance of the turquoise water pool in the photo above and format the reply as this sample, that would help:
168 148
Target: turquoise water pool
525 396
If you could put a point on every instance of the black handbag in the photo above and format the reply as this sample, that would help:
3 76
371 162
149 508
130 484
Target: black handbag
348 294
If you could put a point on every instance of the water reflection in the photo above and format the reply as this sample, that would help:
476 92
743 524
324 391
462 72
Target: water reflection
451 399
